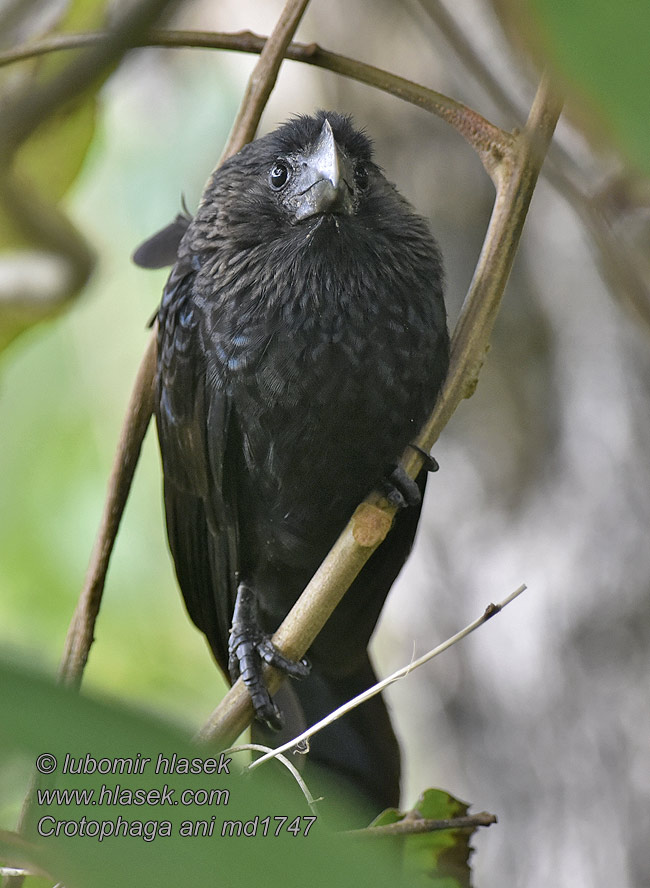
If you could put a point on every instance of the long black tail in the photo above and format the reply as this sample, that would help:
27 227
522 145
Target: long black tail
360 750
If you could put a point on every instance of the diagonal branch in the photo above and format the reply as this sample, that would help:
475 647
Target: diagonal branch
81 630
262 80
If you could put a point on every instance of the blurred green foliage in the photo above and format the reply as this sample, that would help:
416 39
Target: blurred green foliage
48 162
52 157
601 49
181 850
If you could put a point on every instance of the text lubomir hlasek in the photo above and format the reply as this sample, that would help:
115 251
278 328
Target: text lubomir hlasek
173 764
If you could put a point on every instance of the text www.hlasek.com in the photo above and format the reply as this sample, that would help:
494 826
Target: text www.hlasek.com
118 795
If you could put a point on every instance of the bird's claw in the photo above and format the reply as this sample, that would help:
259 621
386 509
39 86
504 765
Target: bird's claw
249 648
400 489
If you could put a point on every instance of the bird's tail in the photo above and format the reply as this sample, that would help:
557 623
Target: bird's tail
359 751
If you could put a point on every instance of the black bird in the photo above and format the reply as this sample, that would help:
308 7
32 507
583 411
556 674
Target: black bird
302 341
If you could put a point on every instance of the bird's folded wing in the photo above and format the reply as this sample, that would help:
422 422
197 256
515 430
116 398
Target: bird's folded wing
193 427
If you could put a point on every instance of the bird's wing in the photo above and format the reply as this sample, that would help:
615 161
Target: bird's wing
161 249
193 429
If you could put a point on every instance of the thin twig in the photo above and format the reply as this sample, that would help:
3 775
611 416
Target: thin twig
516 176
336 714
413 826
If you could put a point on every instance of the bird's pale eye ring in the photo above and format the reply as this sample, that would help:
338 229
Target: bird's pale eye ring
279 175
361 177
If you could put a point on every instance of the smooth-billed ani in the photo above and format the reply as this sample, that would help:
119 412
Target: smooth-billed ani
302 341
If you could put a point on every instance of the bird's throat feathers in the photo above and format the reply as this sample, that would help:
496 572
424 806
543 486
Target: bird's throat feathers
319 263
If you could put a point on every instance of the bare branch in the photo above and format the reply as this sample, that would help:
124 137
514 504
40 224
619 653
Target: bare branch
413 826
517 177
136 421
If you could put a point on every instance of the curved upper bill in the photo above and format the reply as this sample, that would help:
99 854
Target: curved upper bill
321 184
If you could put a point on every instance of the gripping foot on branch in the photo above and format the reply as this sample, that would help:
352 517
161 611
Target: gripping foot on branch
400 489
249 648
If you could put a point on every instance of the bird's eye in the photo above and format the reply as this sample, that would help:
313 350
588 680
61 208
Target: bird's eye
279 175
361 177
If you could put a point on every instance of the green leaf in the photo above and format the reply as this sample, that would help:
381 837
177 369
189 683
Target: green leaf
40 717
438 859
600 49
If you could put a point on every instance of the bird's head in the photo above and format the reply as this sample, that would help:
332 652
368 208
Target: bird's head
321 166
272 197
309 168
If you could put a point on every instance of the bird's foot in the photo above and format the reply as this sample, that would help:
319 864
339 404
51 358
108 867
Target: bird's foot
400 489
249 648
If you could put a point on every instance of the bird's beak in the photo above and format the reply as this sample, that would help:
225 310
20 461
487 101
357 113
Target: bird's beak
321 185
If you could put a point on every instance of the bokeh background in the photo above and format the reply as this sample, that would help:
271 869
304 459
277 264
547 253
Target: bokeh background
541 717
